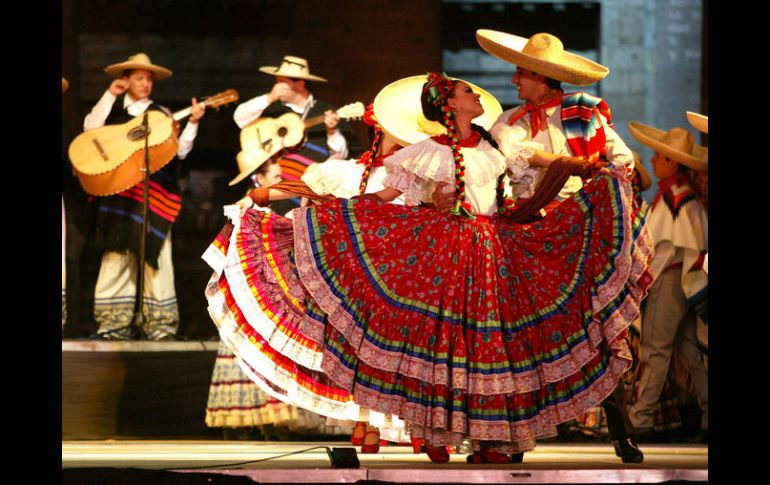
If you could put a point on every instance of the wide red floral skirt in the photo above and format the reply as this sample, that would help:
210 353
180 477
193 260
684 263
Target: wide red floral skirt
479 329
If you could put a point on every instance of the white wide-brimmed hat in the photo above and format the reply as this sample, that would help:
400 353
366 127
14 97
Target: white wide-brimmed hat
542 53
677 144
138 61
293 67
398 109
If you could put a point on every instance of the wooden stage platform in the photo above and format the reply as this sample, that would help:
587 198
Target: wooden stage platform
268 462
133 412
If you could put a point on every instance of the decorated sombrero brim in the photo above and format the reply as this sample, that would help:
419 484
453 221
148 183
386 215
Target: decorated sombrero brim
698 121
138 61
677 144
542 53
398 109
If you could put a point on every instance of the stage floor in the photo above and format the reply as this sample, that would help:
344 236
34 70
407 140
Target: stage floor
549 463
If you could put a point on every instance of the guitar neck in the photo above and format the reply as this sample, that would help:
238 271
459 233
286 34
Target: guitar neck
182 114
217 100
315 120
346 112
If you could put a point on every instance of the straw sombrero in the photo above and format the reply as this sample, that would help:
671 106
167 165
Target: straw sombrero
698 121
138 61
399 110
677 144
293 67
542 53
644 176
65 85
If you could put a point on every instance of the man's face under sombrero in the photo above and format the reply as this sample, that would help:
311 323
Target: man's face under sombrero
140 82
526 82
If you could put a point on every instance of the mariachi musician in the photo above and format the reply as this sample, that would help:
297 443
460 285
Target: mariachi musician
291 93
119 217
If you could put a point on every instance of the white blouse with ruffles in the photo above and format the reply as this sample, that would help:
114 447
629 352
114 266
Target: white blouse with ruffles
417 169
342 178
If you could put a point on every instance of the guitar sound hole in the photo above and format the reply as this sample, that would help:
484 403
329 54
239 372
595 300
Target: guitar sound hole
138 133
282 131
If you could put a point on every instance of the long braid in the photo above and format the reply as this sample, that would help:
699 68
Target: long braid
459 161
440 88
367 159
500 189
500 194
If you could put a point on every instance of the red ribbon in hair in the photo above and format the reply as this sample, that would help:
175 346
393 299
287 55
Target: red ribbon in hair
369 117
439 86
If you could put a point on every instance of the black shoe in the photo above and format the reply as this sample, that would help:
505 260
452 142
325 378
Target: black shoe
628 452
517 457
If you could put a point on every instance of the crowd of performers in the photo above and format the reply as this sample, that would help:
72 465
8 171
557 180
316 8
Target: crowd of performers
474 279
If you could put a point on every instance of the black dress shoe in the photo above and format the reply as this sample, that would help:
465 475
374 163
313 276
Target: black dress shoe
517 457
628 451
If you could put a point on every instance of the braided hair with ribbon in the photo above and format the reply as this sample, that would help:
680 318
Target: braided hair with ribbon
367 159
435 93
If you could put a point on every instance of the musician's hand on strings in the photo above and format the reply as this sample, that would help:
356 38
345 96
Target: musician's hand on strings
331 120
280 92
197 112
118 86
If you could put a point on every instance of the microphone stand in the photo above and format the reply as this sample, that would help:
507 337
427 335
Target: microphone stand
136 327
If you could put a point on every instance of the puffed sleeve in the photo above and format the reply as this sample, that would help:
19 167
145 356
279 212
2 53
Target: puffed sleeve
416 169
516 145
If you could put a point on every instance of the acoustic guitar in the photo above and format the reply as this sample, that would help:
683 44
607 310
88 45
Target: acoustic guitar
110 159
267 136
